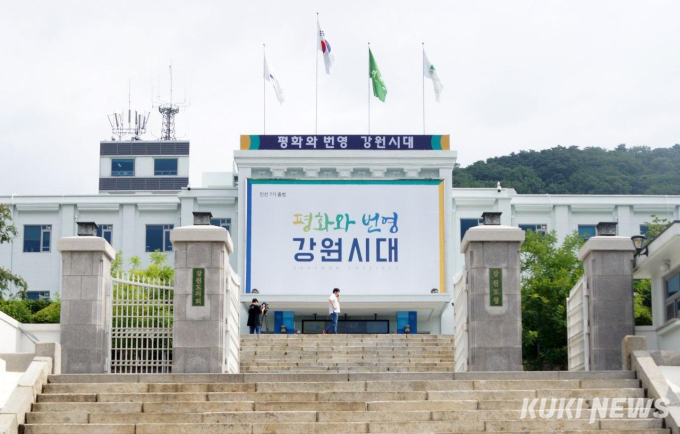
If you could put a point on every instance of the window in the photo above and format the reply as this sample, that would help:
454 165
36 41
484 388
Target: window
673 296
37 238
587 231
106 232
223 223
670 312
158 238
466 224
644 229
165 166
123 167
38 295
672 285
537 228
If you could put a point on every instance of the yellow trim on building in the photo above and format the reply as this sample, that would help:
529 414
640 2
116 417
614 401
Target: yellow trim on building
245 143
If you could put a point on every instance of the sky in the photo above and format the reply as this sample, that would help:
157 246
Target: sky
517 75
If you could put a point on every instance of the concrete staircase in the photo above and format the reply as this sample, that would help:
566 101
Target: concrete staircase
346 353
329 401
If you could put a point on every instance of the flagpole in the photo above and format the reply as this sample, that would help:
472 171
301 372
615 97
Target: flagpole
369 88
316 106
264 97
423 74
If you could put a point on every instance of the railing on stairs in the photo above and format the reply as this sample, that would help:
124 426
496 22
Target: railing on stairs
232 341
578 332
460 311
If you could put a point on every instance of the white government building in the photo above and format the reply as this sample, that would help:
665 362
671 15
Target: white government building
144 194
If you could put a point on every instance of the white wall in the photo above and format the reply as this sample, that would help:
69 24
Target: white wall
183 166
650 333
43 333
446 320
144 167
129 215
104 167
152 217
670 340
10 335
41 270
16 337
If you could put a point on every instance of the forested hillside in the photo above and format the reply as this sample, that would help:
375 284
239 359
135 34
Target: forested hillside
562 170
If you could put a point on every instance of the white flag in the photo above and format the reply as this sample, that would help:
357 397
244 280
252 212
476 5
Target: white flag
270 77
430 72
325 47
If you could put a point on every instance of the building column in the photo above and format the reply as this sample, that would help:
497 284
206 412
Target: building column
200 302
85 304
608 269
492 264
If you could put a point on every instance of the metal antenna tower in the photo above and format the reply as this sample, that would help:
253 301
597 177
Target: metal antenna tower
168 110
133 127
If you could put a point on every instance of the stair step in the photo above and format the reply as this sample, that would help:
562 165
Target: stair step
139 380
339 384
79 429
317 428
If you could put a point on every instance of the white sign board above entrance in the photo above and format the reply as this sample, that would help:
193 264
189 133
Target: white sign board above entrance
363 236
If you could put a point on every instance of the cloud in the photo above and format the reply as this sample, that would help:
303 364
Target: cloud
518 75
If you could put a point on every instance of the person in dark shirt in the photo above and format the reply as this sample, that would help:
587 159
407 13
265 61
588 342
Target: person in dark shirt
254 321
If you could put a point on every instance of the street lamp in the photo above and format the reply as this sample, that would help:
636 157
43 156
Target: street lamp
639 244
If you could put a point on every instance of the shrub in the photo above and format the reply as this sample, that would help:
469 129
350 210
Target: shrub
49 315
36 305
17 309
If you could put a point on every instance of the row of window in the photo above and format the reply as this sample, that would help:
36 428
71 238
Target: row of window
126 166
586 231
38 238
466 224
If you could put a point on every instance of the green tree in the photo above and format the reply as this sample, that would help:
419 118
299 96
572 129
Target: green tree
17 309
50 315
570 170
135 263
117 264
549 272
655 227
643 302
36 305
158 269
7 232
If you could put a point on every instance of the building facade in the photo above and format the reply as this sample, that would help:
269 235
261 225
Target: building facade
144 194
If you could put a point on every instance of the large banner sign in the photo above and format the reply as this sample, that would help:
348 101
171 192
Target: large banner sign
345 142
362 236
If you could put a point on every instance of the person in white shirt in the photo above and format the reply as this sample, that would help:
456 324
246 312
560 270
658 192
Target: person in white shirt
333 312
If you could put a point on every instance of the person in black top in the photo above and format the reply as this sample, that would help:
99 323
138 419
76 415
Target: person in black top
254 317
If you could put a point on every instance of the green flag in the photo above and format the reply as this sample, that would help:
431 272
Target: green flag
379 89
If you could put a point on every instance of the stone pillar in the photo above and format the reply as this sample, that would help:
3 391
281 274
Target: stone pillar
85 304
494 321
201 265
608 268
